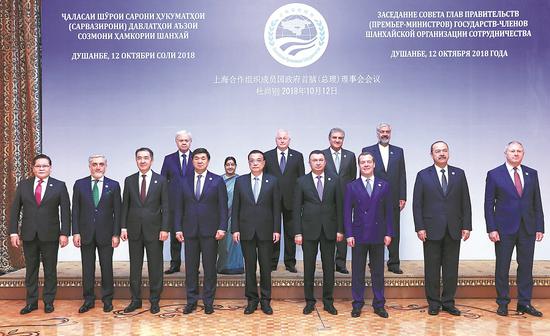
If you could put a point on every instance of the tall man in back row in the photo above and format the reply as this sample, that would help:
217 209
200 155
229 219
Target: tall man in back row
390 166
341 162
514 218
287 165
175 167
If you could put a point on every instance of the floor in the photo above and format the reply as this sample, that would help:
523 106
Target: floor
407 317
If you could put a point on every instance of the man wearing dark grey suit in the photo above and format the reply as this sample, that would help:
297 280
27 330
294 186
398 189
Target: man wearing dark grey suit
341 162
40 199
144 223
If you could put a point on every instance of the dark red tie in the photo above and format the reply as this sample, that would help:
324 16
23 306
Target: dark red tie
142 192
517 182
38 192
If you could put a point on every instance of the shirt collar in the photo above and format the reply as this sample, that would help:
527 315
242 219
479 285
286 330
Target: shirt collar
511 168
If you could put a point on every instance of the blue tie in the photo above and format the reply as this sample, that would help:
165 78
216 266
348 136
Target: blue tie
183 164
369 187
282 163
198 188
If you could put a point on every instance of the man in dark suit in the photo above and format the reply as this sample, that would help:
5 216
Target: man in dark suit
442 216
286 165
390 166
144 223
175 167
201 219
341 162
96 225
256 223
318 223
368 227
40 200
514 218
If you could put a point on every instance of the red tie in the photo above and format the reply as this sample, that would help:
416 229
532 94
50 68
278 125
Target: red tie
142 192
38 192
517 182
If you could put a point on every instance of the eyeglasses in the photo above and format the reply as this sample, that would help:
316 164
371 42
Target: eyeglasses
42 166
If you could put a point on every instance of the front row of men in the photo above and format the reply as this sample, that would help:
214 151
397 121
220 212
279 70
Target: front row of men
323 215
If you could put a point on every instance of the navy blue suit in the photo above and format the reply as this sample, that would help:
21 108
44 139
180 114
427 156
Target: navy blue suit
395 174
199 220
368 219
517 219
171 169
443 216
96 226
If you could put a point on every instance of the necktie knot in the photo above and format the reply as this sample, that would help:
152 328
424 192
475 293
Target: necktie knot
442 171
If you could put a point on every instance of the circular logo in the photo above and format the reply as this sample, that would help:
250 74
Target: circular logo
296 35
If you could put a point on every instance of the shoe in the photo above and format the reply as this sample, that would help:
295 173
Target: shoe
107 307
291 269
250 308
330 309
433 311
29 308
308 309
155 308
451 310
502 310
208 309
342 270
132 306
172 270
189 308
395 270
266 308
528 309
85 307
381 312
356 312
48 308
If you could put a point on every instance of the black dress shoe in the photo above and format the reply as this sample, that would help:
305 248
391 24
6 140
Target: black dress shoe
85 307
433 310
308 309
208 309
250 308
356 312
395 270
189 308
107 307
155 308
29 308
132 306
330 309
266 308
528 309
48 308
342 270
502 310
291 269
451 310
381 312
172 270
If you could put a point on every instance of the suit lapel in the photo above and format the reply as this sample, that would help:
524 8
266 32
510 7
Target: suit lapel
508 180
331 165
312 186
207 183
176 160
435 179
378 159
49 186
263 189
451 179
526 180
88 189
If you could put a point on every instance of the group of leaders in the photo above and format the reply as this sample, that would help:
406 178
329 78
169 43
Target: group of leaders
328 209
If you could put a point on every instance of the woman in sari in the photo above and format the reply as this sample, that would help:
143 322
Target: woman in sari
230 256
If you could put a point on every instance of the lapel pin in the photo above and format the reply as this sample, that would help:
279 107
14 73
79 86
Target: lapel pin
156 181
344 155
266 181
379 184
51 185
289 154
452 173
328 178
391 153
526 173
210 179
106 186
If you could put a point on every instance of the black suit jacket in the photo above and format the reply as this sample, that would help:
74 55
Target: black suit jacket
41 220
103 220
311 213
145 219
395 174
204 216
348 166
287 180
434 211
261 218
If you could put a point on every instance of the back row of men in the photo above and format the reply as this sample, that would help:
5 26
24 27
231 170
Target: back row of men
327 208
